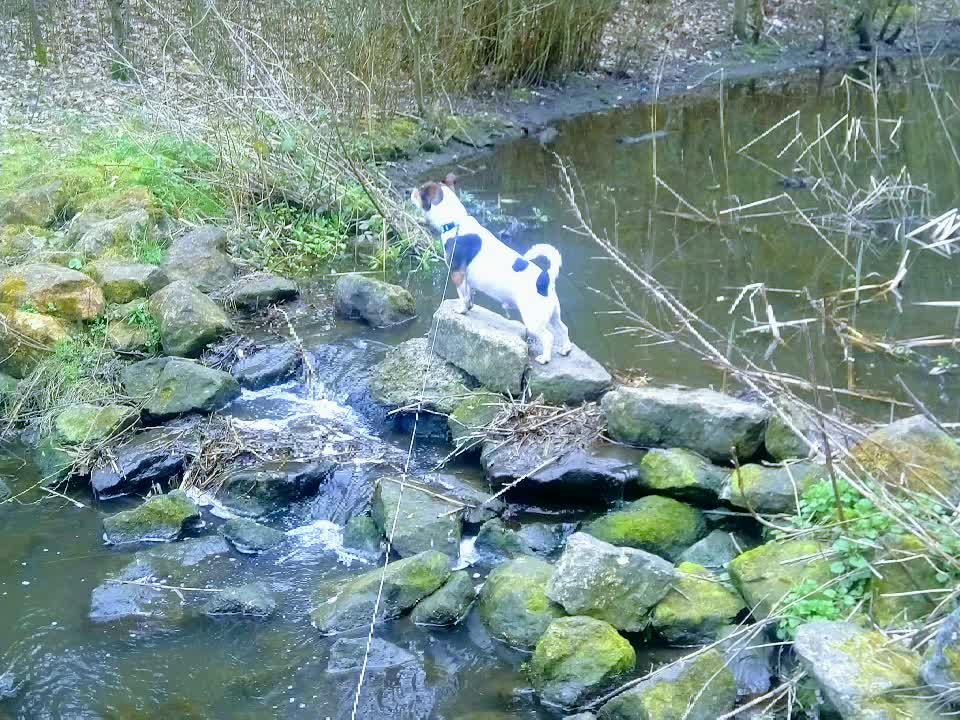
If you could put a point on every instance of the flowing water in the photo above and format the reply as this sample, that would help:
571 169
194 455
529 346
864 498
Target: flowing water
56 662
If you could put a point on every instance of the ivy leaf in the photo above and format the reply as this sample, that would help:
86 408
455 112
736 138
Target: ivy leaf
838 568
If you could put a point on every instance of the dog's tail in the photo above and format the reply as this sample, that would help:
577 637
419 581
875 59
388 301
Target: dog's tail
547 257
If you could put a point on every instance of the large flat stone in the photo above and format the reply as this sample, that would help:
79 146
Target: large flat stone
569 380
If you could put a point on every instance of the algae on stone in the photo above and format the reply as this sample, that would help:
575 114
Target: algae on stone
898 595
656 524
91 424
766 489
410 373
514 605
26 338
767 573
696 609
472 415
161 518
448 605
682 474
415 520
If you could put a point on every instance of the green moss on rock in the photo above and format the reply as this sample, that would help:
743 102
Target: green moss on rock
161 518
448 605
514 605
697 608
682 474
904 568
472 415
26 338
91 424
765 574
656 524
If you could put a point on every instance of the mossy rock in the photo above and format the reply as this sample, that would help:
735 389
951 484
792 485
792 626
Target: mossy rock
782 442
659 525
472 415
250 600
52 289
340 606
765 574
182 386
416 520
410 373
125 281
17 241
89 424
362 535
577 656
40 205
448 605
124 337
162 518
188 319
26 338
54 463
766 489
538 539
381 304
904 568
249 537
941 666
696 609
700 688
681 474
514 605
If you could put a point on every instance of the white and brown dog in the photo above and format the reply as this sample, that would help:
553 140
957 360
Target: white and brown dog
479 261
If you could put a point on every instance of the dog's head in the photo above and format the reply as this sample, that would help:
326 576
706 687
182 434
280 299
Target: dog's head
439 202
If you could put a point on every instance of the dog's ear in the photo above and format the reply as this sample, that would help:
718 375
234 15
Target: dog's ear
451 181
430 195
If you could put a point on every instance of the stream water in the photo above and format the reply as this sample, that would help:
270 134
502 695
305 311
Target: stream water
63 665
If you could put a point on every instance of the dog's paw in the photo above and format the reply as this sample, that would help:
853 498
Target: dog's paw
542 359
463 309
566 349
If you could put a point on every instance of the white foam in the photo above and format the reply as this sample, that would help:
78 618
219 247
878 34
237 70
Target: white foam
468 553
324 534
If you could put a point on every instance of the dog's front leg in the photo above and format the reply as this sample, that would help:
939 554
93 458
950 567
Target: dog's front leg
463 291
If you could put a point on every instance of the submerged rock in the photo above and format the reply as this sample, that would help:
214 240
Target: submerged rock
348 655
700 688
261 489
576 657
941 666
514 605
539 539
864 674
714 552
615 584
681 474
260 291
174 387
914 452
696 609
250 600
472 416
84 423
123 282
448 605
659 525
198 258
362 535
410 372
418 521
188 319
379 303
569 380
161 518
52 289
489 347
704 421
767 573
342 606
26 338
592 475
767 489
250 537
269 366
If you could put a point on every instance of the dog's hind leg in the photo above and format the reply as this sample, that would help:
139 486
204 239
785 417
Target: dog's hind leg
560 330
464 292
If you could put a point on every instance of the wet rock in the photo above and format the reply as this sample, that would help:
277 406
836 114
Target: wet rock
701 688
448 605
250 537
681 474
941 666
347 655
84 423
260 291
659 525
54 463
914 452
581 716
4 491
487 346
198 258
341 606
595 474
8 686
151 459
379 303
696 609
161 518
188 319
123 282
714 552
767 489
362 535
182 386
862 672
26 338
704 421
421 522
52 289
251 600
569 380
262 489
514 605
411 369
472 416
538 539
782 442
905 573
576 657
615 584
767 573
38 205
269 366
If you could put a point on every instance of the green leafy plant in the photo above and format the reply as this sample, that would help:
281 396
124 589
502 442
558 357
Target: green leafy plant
141 318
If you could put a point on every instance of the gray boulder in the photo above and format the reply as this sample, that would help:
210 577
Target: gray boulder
659 525
538 539
419 521
37 205
115 221
448 605
340 606
766 489
381 304
704 421
714 552
181 386
616 584
250 600
161 518
260 291
271 365
681 474
751 661
198 258
941 666
125 281
864 674
362 535
411 369
514 606
52 289
249 537
349 655
188 319
569 380
489 347
782 442
152 458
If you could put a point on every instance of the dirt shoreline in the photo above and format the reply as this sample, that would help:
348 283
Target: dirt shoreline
595 92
